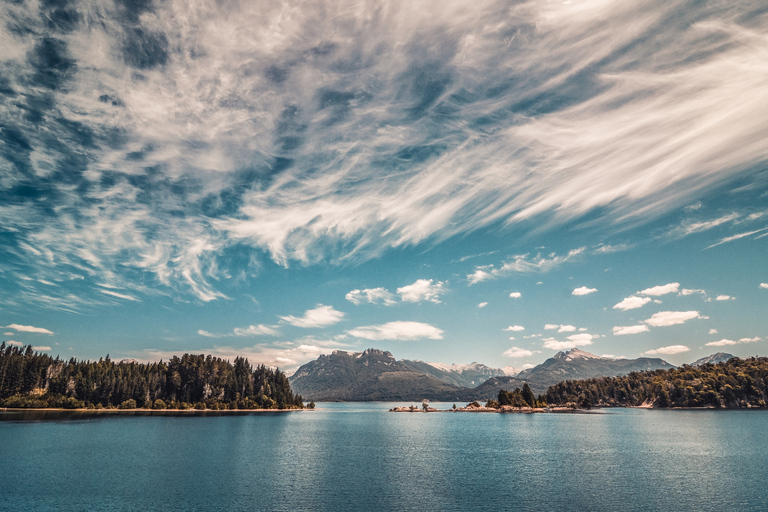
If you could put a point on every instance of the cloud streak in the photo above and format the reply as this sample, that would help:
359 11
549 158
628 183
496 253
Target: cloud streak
333 131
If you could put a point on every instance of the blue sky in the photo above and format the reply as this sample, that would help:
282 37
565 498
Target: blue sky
280 180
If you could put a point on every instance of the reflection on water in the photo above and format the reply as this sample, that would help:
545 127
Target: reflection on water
360 457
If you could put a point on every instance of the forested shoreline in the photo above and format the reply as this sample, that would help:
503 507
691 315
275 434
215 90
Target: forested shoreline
30 379
737 383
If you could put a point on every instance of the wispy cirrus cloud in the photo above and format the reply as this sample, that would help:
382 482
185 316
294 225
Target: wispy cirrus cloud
522 263
174 136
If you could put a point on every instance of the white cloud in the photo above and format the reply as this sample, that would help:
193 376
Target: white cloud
515 295
526 366
583 290
397 331
207 334
9 333
572 341
482 304
551 327
630 329
265 330
737 237
713 331
321 316
282 101
517 352
690 291
632 302
118 295
726 342
667 318
566 328
689 227
672 349
422 290
512 338
522 263
661 290
14 343
41 348
764 286
515 328
724 297
371 296
28 328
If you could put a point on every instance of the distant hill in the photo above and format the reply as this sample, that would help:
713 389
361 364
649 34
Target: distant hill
377 375
462 375
719 357
572 365
737 383
367 376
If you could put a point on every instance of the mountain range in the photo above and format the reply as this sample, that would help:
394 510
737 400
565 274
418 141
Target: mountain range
374 375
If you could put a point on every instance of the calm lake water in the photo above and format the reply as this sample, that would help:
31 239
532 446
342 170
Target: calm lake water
360 457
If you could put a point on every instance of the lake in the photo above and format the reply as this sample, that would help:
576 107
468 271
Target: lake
360 457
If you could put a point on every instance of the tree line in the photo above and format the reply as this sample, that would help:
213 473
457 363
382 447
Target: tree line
32 379
733 384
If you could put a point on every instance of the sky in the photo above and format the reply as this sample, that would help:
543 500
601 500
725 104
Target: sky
278 180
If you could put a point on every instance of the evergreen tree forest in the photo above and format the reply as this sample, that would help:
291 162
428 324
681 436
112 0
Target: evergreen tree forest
737 383
32 379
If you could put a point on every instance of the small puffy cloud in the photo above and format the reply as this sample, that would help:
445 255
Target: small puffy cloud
667 318
482 304
691 291
515 295
9 333
550 327
583 290
208 334
566 328
713 331
321 316
632 302
515 328
42 348
672 349
724 297
527 366
371 296
572 341
422 290
28 328
512 338
398 331
478 275
661 290
629 329
764 286
259 330
14 343
726 342
517 352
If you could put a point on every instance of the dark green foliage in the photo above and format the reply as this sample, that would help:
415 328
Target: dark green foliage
30 379
732 384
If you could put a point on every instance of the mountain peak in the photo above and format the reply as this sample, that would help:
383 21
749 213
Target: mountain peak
575 353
